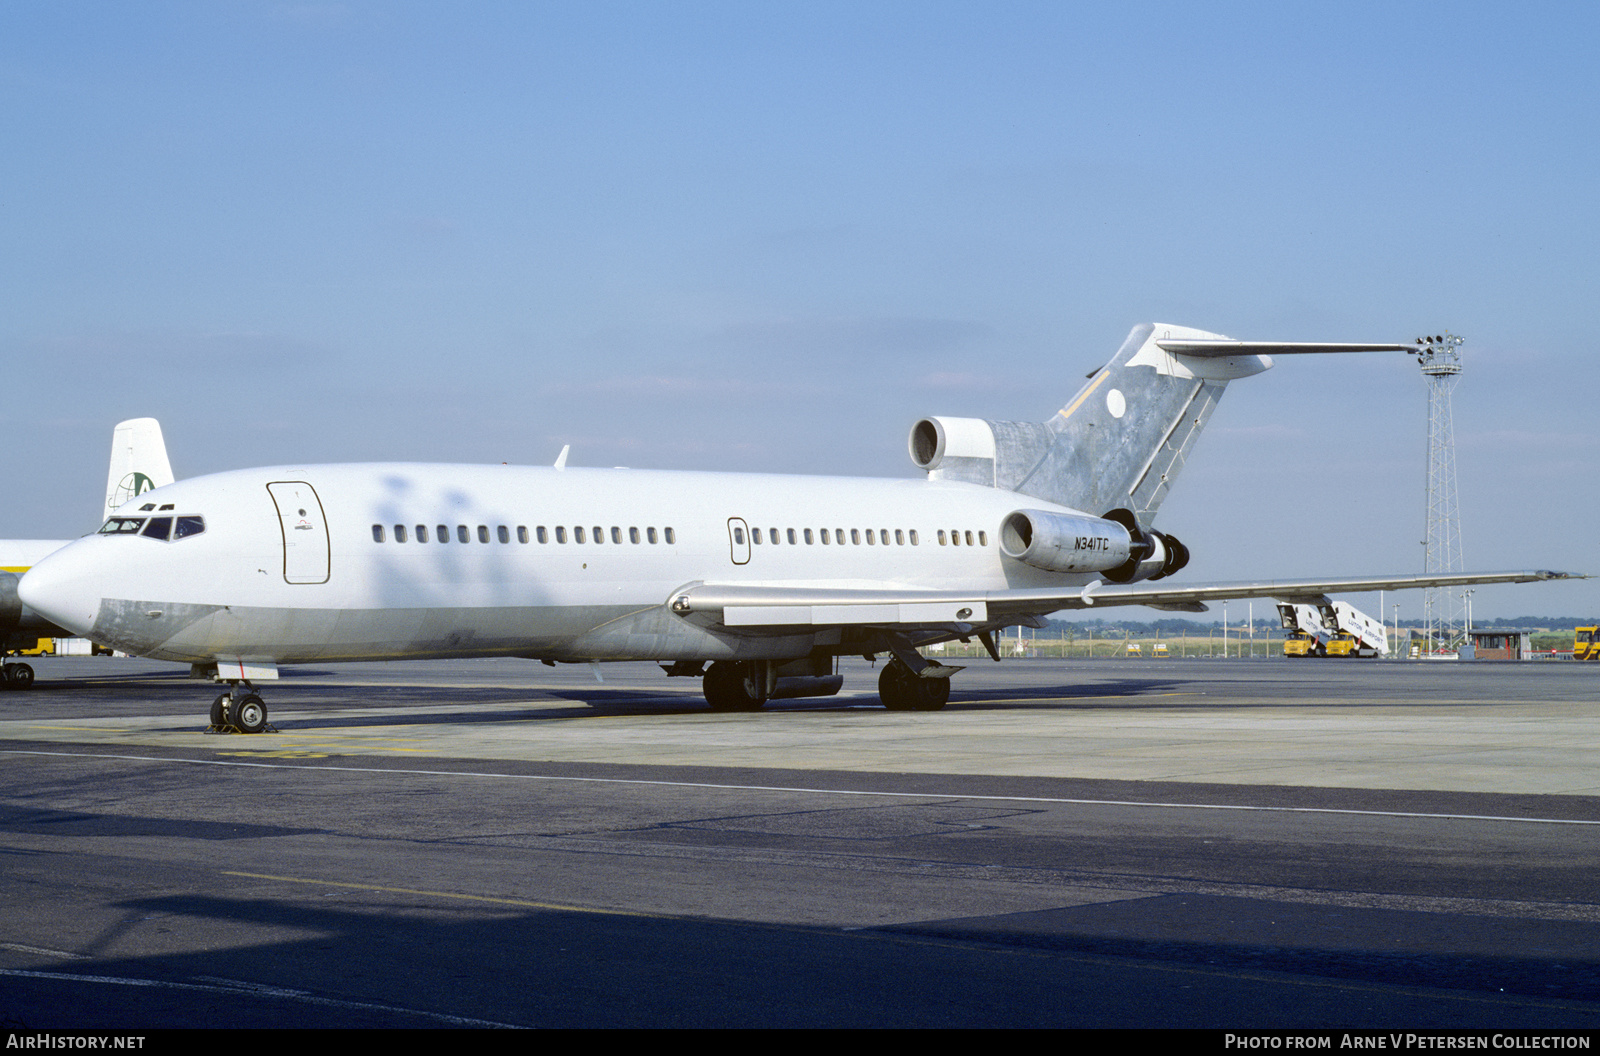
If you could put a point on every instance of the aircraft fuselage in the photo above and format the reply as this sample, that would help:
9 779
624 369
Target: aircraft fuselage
387 561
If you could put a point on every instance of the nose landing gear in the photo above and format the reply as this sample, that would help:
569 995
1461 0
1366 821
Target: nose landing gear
239 712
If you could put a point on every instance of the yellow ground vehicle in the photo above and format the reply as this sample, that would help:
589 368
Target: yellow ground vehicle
43 647
1134 649
1341 644
1160 649
1299 643
1586 643
1304 632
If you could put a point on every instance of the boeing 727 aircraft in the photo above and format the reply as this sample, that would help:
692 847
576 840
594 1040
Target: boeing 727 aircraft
765 578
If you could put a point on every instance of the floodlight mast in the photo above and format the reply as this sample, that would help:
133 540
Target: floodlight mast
1443 620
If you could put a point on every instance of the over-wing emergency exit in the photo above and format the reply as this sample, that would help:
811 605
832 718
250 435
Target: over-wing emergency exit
752 582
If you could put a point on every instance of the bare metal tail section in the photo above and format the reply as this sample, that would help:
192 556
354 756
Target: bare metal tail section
1124 438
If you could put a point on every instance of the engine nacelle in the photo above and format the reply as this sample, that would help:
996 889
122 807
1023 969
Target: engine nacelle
961 444
1062 542
1154 555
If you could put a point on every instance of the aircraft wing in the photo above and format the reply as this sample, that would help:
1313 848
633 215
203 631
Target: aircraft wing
757 607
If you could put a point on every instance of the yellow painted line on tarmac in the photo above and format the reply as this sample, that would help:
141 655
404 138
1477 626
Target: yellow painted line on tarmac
446 894
1058 700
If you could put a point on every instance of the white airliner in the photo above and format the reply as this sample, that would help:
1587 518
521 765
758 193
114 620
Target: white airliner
138 463
766 578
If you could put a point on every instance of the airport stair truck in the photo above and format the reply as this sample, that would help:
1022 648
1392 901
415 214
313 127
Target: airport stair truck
1306 635
1354 632
1586 643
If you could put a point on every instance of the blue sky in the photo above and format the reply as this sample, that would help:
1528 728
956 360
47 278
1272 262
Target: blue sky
771 236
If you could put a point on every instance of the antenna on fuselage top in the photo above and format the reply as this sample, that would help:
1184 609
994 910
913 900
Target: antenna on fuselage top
561 459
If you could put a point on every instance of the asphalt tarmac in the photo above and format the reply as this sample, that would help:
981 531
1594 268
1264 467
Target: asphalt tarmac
1112 843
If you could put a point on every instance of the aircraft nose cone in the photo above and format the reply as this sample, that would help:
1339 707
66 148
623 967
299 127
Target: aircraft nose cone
65 589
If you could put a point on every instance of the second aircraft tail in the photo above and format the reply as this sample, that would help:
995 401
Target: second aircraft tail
138 461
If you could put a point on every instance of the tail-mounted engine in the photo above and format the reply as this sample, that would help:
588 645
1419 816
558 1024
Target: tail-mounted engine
1114 545
1155 556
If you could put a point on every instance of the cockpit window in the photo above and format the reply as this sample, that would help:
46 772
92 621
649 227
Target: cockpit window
162 528
122 526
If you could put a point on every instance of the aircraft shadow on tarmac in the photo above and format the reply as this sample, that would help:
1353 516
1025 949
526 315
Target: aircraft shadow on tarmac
397 959
400 705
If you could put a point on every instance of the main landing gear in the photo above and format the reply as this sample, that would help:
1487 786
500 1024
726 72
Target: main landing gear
908 683
736 685
17 676
902 690
239 712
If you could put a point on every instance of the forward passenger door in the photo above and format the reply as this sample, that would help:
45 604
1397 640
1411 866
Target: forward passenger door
305 531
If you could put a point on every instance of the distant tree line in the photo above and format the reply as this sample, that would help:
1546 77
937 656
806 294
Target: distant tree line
1195 628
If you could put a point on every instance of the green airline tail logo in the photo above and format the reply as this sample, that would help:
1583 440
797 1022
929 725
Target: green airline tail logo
130 486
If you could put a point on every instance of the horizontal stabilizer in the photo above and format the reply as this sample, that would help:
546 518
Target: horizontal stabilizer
1226 347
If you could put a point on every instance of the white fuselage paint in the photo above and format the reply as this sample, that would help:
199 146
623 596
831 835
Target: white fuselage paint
223 593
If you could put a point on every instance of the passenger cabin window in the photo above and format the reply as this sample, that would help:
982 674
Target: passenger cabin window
616 534
808 537
422 533
540 534
442 532
672 537
522 533
503 533
483 533
462 535
561 534
577 534
650 534
377 533
633 535
599 534
399 533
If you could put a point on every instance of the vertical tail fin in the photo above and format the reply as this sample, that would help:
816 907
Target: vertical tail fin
138 461
1125 436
